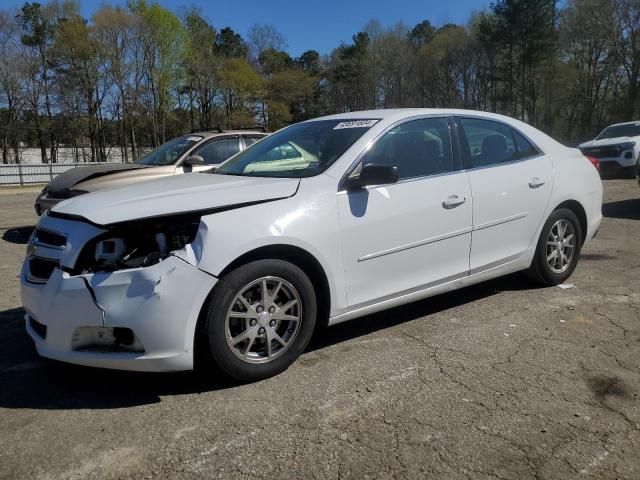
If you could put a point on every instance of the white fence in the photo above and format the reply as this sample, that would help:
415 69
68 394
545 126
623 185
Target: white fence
31 170
25 174
81 155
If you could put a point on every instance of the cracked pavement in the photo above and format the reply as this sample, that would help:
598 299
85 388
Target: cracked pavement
502 380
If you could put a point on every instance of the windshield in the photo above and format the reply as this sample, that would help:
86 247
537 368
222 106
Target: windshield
168 153
301 150
628 130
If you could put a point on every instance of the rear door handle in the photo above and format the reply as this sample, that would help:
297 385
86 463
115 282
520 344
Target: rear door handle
536 182
452 201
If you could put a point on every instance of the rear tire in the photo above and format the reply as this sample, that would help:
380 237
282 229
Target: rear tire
260 319
558 248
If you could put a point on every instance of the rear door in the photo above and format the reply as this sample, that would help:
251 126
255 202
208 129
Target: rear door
511 181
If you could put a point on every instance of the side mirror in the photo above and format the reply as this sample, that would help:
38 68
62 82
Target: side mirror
194 160
373 174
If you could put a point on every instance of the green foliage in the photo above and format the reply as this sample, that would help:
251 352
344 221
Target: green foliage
309 61
201 64
422 33
242 86
38 30
137 75
229 44
274 61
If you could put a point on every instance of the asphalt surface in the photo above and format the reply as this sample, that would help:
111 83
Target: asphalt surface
501 380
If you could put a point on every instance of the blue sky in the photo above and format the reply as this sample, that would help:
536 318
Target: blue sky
319 25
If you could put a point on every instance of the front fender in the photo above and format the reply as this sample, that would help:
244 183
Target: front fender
311 225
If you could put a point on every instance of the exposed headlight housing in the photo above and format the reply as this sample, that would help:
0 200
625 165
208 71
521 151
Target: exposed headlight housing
137 243
627 145
110 250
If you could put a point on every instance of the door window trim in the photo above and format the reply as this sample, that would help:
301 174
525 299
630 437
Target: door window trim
456 154
466 151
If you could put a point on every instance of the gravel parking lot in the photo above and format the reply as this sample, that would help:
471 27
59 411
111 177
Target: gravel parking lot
500 380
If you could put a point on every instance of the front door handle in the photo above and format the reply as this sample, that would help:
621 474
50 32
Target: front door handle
536 182
452 201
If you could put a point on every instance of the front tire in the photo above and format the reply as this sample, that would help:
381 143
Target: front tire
558 248
260 319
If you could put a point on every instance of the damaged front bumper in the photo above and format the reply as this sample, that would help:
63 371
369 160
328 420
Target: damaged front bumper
140 319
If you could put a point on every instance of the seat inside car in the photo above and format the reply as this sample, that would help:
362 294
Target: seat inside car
410 152
494 150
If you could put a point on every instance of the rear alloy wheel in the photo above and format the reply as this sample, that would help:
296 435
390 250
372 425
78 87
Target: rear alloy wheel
558 248
261 318
561 246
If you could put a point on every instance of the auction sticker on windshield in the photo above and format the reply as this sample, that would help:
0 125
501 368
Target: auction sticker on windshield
356 124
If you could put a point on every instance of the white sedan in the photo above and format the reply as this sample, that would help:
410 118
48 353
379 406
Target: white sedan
322 222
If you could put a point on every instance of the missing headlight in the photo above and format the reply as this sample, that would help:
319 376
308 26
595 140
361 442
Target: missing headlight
110 250
140 243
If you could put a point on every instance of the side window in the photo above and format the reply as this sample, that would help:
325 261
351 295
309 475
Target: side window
218 151
248 141
525 148
418 148
489 142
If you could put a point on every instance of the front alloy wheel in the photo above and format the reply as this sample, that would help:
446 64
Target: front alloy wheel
263 320
260 319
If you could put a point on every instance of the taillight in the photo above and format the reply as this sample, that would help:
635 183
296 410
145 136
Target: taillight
595 162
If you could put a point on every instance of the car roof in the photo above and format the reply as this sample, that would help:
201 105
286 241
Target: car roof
399 113
624 123
216 133
392 115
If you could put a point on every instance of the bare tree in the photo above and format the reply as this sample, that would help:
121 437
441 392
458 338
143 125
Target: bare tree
11 84
626 40
265 37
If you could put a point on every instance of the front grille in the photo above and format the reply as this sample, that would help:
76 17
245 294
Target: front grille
602 152
50 238
37 327
41 268
43 245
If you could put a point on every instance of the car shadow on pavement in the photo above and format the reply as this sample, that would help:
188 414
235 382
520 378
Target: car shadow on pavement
624 209
29 381
415 310
18 235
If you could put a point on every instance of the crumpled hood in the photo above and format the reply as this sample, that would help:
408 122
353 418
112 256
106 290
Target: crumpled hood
606 142
80 174
176 194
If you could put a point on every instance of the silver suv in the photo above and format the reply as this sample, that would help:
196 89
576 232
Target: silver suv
195 152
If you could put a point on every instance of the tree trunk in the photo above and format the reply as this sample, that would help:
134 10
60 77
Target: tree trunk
5 151
52 138
41 142
134 147
123 135
632 98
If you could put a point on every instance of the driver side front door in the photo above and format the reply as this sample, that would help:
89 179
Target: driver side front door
413 234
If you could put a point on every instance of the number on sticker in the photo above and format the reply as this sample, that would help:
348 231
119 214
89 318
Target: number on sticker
355 124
